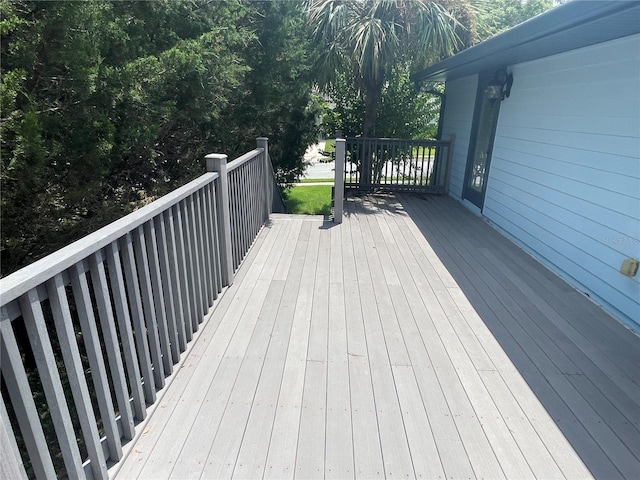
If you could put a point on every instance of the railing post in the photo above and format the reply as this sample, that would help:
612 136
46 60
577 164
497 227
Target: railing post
447 170
263 142
217 162
338 188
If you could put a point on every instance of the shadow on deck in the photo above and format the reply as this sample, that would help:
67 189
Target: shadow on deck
582 365
411 341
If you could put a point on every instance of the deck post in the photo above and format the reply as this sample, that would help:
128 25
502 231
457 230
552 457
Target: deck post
338 197
263 142
447 171
217 162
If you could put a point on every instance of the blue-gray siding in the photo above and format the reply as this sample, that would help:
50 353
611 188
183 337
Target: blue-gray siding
565 172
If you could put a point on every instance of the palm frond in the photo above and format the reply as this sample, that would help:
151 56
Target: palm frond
435 32
368 37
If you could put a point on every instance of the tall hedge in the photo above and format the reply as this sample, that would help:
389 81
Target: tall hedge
106 105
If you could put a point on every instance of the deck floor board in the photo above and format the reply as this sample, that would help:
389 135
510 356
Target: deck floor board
411 341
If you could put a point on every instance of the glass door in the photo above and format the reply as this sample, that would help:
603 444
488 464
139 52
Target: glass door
484 130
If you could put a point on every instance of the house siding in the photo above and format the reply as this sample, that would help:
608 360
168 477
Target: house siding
458 118
565 171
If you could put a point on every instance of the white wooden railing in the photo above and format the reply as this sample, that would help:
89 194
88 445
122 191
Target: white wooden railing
89 334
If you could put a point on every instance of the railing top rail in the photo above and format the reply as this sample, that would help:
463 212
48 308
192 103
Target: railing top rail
241 160
29 277
397 140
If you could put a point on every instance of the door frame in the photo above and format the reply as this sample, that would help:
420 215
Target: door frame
470 194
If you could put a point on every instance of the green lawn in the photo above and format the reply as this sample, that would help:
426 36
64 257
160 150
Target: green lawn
329 151
309 200
316 180
330 146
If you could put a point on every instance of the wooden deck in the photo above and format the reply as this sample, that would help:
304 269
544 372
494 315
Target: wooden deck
411 341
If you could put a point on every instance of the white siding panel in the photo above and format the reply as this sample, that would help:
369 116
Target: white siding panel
458 117
565 171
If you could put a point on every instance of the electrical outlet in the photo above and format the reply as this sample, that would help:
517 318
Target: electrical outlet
629 267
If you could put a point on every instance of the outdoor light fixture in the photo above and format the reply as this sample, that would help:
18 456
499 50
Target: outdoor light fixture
500 86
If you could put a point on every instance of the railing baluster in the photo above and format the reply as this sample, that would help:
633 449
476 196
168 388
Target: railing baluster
239 215
263 142
242 180
368 162
126 333
167 290
258 198
195 255
234 193
155 275
175 274
420 154
137 317
406 174
207 228
15 377
217 233
147 305
246 194
255 194
75 373
249 181
96 361
10 465
430 174
187 282
255 204
392 159
51 384
216 238
110 337
202 247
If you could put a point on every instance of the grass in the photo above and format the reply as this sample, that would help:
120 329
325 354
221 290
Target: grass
316 180
330 146
329 151
309 200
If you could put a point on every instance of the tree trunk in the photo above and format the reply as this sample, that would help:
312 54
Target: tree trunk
371 97
368 166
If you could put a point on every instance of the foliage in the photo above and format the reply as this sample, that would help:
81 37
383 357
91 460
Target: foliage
403 110
277 94
343 111
496 16
366 41
106 105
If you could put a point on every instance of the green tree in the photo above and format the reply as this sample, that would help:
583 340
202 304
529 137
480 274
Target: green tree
108 104
403 110
496 16
369 38
276 97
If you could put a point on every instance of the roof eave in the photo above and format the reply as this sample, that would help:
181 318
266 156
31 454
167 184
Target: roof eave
540 31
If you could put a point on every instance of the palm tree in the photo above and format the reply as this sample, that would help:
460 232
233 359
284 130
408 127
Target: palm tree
369 37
